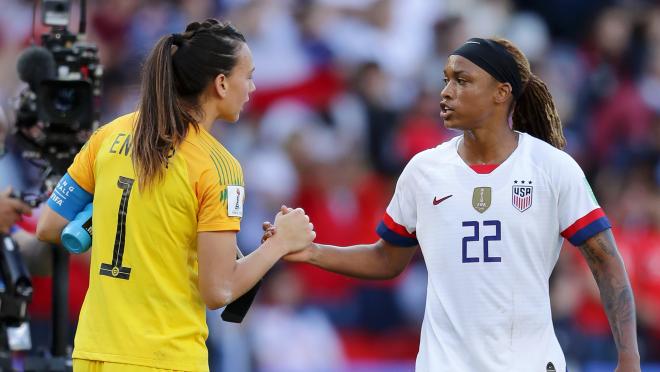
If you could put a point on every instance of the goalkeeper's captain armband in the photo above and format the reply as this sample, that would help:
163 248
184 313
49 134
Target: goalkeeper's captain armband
77 235
68 198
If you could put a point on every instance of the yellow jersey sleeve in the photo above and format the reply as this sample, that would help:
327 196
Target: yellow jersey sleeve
82 168
219 188
214 208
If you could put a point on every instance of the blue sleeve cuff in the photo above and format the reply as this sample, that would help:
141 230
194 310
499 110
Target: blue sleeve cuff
582 235
393 238
68 198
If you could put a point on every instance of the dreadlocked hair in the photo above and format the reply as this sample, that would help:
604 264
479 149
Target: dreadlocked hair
534 111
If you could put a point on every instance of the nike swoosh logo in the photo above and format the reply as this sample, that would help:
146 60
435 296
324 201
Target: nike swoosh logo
437 201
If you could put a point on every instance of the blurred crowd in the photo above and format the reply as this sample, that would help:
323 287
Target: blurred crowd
347 92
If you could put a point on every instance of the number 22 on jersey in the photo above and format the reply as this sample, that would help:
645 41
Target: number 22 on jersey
474 237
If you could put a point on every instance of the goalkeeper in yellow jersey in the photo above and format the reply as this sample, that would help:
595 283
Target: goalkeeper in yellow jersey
167 203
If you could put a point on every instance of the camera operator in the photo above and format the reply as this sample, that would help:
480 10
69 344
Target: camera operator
17 174
11 211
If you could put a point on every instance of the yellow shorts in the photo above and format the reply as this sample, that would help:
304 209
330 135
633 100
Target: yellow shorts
84 365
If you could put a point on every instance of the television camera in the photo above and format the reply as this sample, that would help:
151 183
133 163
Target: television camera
54 116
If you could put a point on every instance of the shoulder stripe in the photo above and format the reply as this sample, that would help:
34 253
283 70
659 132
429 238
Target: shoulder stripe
235 167
220 163
223 154
217 168
582 222
395 227
230 164
586 227
234 173
227 164
589 231
222 174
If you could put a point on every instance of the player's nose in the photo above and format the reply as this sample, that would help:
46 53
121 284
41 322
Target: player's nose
447 92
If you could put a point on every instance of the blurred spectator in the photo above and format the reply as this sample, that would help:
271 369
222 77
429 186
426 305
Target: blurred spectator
649 83
370 85
529 32
648 290
448 34
612 116
342 198
288 336
421 129
567 19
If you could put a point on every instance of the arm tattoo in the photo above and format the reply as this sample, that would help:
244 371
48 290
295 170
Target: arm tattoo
607 267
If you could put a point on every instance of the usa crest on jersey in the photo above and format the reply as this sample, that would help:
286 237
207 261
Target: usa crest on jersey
521 197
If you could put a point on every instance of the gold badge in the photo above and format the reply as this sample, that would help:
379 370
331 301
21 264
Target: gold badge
481 199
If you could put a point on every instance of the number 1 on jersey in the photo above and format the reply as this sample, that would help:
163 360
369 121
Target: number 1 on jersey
115 269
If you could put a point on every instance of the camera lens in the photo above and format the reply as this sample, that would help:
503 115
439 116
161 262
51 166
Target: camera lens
65 99
65 103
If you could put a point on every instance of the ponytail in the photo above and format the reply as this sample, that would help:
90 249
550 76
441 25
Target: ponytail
534 111
162 123
175 74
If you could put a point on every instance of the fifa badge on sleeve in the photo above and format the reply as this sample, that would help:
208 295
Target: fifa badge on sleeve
235 198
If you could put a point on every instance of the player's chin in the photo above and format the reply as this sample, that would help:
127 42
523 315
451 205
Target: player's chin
233 116
452 123
238 112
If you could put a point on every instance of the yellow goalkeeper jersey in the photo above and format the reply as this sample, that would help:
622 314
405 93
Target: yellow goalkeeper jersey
143 305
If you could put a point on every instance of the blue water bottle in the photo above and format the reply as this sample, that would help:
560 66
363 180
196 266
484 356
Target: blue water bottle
77 235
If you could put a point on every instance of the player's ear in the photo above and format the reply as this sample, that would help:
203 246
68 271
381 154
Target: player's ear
220 85
502 92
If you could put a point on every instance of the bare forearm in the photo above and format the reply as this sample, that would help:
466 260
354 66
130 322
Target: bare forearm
50 226
222 278
232 282
365 261
615 291
251 268
616 295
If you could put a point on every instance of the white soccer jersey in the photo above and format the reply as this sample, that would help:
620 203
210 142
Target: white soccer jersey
490 242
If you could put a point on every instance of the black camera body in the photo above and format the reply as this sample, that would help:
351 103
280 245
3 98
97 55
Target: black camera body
71 101
15 284
61 106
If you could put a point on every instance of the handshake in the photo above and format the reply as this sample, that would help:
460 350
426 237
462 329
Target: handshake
292 235
292 232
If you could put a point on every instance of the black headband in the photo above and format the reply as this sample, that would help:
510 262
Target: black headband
494 59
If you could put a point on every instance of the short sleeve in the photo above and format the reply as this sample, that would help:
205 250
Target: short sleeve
220 206
400 220
580 216
82 168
